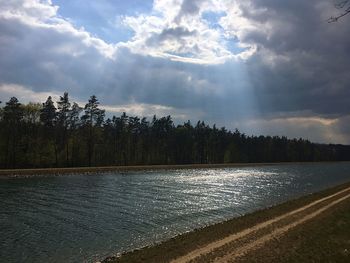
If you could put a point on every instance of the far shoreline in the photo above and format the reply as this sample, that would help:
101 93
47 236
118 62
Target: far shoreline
39 172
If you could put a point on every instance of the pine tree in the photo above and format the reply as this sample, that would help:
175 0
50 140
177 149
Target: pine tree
48 117
63 106
48 113
93 118
62 136
12 116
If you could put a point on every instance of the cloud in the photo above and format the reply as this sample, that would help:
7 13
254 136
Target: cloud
177 30
26 95
266 66
297 44
149 110
316 129
23 94
188 7
177 33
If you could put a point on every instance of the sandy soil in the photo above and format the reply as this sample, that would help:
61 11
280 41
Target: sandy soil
237 245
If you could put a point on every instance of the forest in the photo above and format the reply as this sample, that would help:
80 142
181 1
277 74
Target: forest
63 134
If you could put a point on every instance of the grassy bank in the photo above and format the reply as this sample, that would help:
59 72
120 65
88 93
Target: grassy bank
325 239
5 173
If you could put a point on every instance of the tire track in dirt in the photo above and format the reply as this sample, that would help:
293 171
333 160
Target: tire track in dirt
260 240
276 233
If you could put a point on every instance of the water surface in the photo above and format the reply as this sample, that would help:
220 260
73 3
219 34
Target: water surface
84 218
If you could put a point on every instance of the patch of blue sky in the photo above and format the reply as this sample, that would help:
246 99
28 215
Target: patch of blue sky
232 45
102 18
182 54
213 18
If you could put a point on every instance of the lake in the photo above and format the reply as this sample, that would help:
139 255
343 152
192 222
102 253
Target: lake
85 218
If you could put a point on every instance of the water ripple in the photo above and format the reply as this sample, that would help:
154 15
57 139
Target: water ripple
85 218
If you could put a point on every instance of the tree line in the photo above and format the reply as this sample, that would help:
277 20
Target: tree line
63 134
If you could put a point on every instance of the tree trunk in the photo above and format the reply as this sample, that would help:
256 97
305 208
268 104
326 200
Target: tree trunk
56 155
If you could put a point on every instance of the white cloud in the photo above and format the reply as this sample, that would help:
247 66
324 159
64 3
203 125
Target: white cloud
177 30
315 128
174 30
148 110
283 68
25 95
43 14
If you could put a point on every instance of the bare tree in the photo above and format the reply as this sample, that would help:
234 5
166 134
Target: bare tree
344 7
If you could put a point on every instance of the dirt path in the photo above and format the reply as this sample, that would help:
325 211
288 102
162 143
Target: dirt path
236 245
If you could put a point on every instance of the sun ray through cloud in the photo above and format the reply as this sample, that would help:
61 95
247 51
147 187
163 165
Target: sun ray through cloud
227 61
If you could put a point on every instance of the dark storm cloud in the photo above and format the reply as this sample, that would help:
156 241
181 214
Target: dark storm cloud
185 86
311 66
344 125
300 70
44 59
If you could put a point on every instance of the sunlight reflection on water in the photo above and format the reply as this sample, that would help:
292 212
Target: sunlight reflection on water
86 218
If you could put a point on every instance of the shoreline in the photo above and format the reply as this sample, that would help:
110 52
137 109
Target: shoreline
39 172
185 243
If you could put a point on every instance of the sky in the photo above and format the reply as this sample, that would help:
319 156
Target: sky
266 67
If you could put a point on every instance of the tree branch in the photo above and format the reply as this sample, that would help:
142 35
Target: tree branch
345 5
